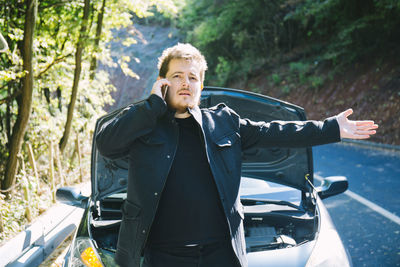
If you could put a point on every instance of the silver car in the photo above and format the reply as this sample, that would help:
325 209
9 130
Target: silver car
286 223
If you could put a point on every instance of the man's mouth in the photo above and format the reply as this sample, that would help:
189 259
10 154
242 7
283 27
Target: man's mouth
184 92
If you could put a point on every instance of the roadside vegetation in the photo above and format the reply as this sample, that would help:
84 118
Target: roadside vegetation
322 55
51 94
241 37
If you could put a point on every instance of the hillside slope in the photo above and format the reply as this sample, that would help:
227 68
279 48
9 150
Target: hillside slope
373 92
371 87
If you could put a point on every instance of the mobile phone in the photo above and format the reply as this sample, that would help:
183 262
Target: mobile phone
164 90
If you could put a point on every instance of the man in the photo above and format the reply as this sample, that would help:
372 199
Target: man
182 206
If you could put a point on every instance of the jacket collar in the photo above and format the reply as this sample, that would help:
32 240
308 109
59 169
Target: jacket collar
196 113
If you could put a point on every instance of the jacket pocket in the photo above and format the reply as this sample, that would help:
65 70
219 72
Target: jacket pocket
127 238
227 140
228 149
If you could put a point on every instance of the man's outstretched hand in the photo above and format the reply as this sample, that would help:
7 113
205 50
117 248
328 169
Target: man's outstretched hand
355 129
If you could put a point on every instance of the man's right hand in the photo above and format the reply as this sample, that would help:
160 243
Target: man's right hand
355 129
160 87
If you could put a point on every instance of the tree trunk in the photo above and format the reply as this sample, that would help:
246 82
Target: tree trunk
51 172
93 63
32 162
78 152
78 67
25 105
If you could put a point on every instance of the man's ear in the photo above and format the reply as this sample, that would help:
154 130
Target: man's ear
202 86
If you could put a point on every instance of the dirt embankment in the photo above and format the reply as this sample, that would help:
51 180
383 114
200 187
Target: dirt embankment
370 87
151 41
373 92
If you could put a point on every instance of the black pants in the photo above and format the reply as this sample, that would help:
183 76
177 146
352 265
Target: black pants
218 254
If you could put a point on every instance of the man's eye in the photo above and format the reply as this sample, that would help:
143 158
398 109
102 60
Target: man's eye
193 78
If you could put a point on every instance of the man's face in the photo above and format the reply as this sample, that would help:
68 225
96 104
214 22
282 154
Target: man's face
186 85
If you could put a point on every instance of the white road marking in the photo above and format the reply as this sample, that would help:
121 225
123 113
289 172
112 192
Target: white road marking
369 204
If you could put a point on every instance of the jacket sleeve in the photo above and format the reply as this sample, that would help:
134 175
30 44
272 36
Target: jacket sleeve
289 133
115 136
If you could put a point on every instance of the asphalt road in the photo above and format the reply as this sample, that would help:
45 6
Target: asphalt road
367 215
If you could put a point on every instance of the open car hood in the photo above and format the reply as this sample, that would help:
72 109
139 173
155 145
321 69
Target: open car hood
287 166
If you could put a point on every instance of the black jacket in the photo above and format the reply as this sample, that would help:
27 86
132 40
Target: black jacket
148 134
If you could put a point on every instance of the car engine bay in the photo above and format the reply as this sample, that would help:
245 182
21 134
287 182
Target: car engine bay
267 226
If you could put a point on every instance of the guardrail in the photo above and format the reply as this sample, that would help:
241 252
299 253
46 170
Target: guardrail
32 246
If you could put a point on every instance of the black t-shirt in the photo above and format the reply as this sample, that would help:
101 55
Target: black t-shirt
190 210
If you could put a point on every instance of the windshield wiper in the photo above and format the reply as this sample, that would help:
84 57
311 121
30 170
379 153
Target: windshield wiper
256 201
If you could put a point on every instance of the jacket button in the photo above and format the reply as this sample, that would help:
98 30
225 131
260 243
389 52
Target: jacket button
155 194
144 231
168 156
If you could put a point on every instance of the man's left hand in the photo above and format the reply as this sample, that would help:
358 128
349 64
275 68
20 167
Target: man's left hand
355 129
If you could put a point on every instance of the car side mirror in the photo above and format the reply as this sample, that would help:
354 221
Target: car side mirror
71 196
332 186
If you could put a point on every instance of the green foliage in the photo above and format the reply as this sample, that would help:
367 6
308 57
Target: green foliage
254 34
276 78
303 73
316 81
300 69
350 29
222 70
12 211
237 31
55 41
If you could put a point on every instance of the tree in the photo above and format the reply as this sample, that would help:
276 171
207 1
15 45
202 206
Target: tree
121 15
25 99
78 68
50 33
93 62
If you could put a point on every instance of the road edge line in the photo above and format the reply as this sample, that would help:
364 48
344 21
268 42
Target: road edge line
374 207
385 213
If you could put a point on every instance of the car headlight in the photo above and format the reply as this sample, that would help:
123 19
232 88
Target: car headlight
84 254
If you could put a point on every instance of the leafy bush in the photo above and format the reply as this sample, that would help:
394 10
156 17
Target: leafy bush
350 29
316 81
276 78
241 32
335 32
222 70
58 34
300 69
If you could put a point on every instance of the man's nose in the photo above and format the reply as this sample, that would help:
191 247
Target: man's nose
185 81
